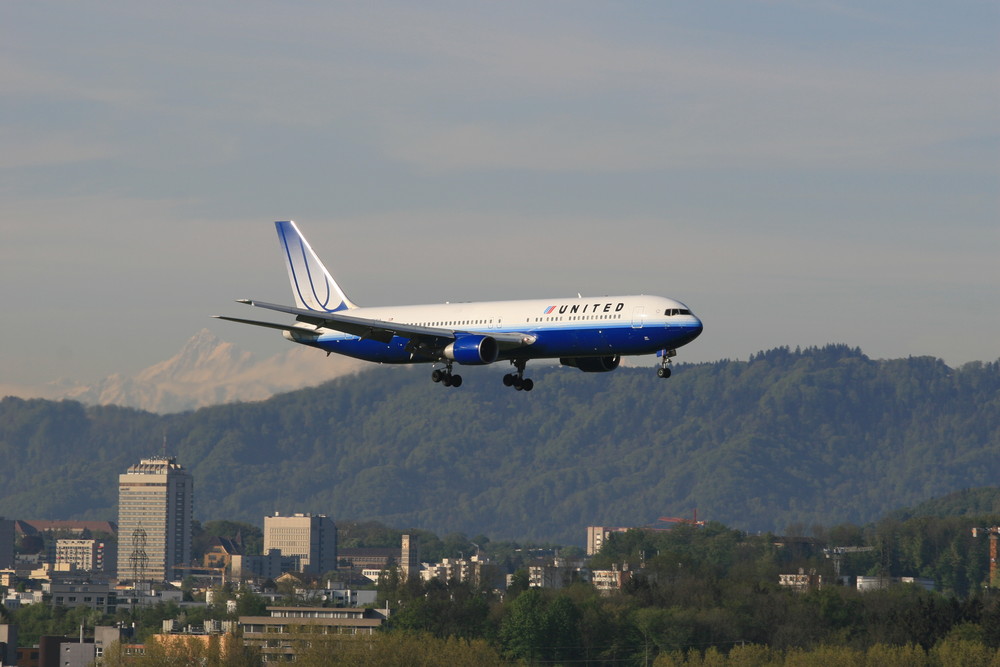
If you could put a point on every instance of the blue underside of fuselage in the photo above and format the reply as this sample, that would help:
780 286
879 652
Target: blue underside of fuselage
549 344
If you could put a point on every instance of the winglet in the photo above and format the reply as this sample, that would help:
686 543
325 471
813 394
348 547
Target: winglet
312 285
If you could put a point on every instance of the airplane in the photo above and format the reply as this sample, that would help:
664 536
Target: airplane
588 333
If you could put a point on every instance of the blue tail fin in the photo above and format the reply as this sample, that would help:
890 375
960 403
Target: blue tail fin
312 285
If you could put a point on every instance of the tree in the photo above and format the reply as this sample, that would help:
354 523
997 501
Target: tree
520 582
389 587
225 650
396 649
522 630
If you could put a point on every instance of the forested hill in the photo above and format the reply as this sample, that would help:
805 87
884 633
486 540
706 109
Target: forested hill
818 436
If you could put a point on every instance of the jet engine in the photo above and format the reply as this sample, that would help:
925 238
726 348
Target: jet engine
473 350
592 364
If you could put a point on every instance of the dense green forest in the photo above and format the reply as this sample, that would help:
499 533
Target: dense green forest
787 438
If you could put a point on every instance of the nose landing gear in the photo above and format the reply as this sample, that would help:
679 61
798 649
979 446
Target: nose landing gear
665 359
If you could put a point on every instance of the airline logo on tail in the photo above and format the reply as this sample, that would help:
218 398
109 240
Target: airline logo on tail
313 286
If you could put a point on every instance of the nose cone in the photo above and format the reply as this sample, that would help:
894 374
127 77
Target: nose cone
689 329
696 328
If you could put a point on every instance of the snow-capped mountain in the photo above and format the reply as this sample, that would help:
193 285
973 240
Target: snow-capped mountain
206 371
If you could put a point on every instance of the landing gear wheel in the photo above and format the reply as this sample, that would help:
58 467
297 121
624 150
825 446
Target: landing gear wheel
517 380
665 357
445 377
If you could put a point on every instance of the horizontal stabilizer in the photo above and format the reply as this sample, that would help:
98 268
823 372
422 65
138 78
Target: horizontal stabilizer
258 323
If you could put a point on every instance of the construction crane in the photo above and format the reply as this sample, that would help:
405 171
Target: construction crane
994 533
690 522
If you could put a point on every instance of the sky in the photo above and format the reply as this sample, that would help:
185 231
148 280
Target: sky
798 172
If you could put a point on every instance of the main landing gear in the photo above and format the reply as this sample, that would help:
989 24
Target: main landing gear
446 377
665 358
517 380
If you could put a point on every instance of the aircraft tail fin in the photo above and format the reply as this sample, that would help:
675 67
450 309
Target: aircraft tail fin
312 285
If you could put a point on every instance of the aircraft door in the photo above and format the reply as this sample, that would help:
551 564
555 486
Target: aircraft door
638 317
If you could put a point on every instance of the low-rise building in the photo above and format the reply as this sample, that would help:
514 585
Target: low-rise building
105 636
877 583
557 573
368 558
8 645
192 644
16 599
280 636
373 560
194 647
99 597
128 597
476 571
271 565
372 573
801 582
76 528
610 581
338 595
455 569
220 552
89 555
76 654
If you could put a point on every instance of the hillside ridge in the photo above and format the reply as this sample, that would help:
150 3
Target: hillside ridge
822 435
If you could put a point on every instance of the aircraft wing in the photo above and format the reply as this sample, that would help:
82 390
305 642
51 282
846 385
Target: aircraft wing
381 330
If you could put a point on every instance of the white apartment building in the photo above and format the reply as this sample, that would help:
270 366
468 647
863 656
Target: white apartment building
89 555
455 569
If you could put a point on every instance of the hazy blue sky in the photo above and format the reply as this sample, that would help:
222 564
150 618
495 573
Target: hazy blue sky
797 172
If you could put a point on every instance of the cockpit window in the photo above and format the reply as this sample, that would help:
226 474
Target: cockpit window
676 311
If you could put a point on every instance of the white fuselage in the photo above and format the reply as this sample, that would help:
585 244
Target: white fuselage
574 327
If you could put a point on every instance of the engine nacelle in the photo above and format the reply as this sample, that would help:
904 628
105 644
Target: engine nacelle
592 364
473 350
300 335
